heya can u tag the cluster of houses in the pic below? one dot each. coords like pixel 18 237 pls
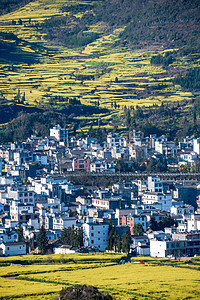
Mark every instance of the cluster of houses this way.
pixel 60 153
pixel 34 192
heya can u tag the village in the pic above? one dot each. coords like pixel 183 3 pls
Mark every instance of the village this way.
pixel 147 216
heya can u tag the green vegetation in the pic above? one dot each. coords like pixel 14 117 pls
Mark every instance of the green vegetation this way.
pixel 55 52
pixel 71 236
pixel 42 240
pixel 44 276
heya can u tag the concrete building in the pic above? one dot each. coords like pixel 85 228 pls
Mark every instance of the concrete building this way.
pixel 167 248
pixel 13 248
pixel 132 220
pixel 95 234
pixel 114 140
pixel 196 146
pixel 63 222
pixel 166 148
pixel 60 134
pixel 164 199
pixel 81 164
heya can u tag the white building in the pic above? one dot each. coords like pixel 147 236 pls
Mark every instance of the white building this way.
pixel 60 134
pixel 63 222
pixel 196 146
pixel 164 199
pixel 95 234
pixel 64 249
pixel 21 194
pixel 178 210
pixel 155 184
pixel 166 148
pixel 8 236
pixel 114 140
pixel 193 223
pixel 166 248
pixel 189 157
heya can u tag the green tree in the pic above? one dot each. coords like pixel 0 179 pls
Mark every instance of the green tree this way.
pixel 126 241
pixel 42 240
pixel 72 236
pixel 138 229
pixel 19 230
pixel 111 237
pixel 167 222
pixel 118 244
pixel 154 224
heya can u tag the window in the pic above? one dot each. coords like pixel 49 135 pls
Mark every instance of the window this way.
pixel 92 241
pixel 8 248
pixel 98 232
pixel 92 234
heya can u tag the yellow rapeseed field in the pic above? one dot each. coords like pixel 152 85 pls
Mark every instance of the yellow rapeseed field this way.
pixel 42 277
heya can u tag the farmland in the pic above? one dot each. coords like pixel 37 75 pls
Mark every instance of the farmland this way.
pixel 42 277
pixel 97 72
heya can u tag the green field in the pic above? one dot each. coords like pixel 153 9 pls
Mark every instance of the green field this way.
pixel 88 72
pixel 42 277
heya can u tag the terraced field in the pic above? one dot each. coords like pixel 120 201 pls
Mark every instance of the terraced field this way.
pixel 98 73
pixel 42 277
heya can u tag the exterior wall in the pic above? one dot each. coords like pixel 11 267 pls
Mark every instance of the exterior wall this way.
pixel 63 250
pixel 95 235
pixel 8 237
pixel 60 134
pixel 79 164
pixel 164 199
pixel 176 248
pixel 196 146
pixel 14 249
pixel 193 223
pixel 23 196
pixel 60 223
pixel 131 221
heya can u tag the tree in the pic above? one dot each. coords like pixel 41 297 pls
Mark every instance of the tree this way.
pixel 154 224
pixel 19 230
pixel 118 244
pixel 167 222
pixel 42 240
pixel 111 236
pixel 72 236
pixel 138 229
pixel 126 241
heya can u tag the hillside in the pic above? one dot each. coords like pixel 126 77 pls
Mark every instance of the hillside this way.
pixel 7 6
pixel 111 55
pixel 158 23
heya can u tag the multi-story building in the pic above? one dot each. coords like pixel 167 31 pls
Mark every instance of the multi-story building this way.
pixel 114 140
pixel 81 164
pixel 95 234
pixel 196 146
pixel 164 199
pixel 60 134
pixel 62 222
pixel 132 220
pixel 166 148
pixel 22 194
pixel 166 248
